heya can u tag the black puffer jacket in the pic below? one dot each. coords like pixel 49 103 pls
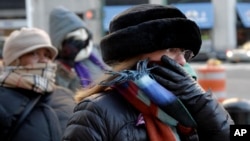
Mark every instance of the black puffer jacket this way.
pixel 109 117
pixel 104 117
pixel 46 122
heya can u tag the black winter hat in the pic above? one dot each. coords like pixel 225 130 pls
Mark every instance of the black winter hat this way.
pixel 146 28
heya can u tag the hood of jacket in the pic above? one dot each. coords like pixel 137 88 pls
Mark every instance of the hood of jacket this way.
pixel 61 22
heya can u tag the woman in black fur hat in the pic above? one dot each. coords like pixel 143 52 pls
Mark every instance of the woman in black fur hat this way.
pixel 148 95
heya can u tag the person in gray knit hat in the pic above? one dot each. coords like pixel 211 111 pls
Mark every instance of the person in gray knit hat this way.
pixel 32 107
pixel 148 96
pixel 79 60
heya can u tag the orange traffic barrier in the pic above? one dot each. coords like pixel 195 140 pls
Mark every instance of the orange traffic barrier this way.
pixel 213 77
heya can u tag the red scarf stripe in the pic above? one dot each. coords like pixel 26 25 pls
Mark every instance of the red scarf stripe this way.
pixel 157 130
pixel 130 93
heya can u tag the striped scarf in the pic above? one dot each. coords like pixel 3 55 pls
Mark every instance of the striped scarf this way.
pixel 39 77
pixel 160 109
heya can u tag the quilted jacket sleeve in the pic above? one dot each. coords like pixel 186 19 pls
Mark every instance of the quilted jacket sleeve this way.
pixel 213 120
pixel 104 117
pixel 86 124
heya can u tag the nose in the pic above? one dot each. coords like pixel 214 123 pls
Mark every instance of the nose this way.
pixel 43 59
pixel 180 59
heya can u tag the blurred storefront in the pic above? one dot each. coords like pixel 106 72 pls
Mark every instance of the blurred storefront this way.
pixel 12 16
pixel 243 21
pixel 113 7
pixel 15 14
pixel 202 12
pixel 223 24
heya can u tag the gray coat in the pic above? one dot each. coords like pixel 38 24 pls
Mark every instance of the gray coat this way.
pixel 67 78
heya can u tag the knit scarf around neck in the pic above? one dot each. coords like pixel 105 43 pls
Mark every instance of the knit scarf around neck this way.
pixel 39 77
pixel 157 121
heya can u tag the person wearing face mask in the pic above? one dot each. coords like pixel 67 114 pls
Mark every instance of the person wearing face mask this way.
pixel 32 107
pixel 79 60
pixel 148 96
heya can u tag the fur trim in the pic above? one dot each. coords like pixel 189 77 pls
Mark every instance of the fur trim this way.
pixel 143 13
pixel 151 36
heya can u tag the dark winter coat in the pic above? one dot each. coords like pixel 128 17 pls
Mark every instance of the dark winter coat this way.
pixel 109 117
pixel 106 117
pixel 46 122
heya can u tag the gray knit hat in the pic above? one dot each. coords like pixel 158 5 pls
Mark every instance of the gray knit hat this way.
pixel 24 41
pixel 147 28
pixel 61 22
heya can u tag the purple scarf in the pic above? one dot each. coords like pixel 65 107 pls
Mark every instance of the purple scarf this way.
pixel 84 73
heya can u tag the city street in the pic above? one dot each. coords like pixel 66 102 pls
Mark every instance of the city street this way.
pixel 237 79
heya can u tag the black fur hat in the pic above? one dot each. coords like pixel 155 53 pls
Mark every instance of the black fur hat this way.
pixel 146 28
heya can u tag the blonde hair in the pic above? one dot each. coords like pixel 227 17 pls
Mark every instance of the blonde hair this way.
pixel 85 92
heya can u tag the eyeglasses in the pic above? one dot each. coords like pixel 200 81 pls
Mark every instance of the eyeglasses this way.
pixel 188 54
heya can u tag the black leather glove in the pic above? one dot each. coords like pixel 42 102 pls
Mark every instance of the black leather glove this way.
pixel 174 78
pixel 212 119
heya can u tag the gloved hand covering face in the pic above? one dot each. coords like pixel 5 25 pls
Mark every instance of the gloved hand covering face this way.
pixel 174 78
pixel 201 105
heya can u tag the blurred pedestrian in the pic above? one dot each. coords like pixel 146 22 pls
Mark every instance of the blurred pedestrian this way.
pixel 32 107
pixel 79 60
pixel 148 95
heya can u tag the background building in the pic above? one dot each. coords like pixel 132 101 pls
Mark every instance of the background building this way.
pixel 224 24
